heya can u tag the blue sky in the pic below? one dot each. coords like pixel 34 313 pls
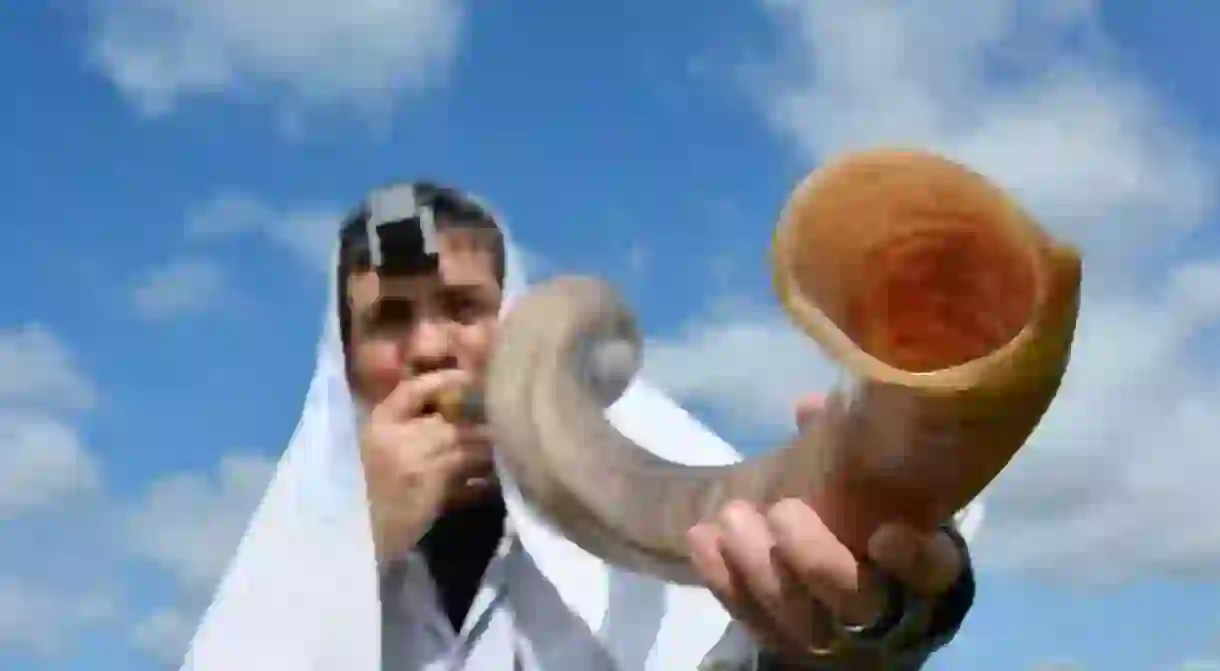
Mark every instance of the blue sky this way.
pixel 171 173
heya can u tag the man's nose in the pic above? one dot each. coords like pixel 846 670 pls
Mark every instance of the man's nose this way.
pixel 431 346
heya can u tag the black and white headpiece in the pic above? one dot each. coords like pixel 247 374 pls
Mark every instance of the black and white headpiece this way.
pixel 394 205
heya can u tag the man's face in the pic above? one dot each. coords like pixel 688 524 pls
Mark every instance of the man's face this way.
pixel 408 325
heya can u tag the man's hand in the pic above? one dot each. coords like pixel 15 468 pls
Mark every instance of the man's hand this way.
pixel 785 577
pixel 417 464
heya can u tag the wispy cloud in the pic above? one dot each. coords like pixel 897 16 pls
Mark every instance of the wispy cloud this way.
pixel 179 288
pixel 43 459
pixel 308 231
pixel 43 619
pixel 189 525
pixel 37 369
pixel 45 466
pixel 357 55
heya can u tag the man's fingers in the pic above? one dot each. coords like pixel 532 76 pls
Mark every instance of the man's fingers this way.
pixel 412 394
pixel 460 464
pixel 726 585
pixel 927 563
pixel 827 569
pixel 433 443
pixel 748 547
pixel 412 445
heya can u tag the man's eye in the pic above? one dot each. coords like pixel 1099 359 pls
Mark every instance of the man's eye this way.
pixel 391 315
pixel 465 310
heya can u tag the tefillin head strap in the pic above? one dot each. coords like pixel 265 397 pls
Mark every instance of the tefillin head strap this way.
pixel 401 230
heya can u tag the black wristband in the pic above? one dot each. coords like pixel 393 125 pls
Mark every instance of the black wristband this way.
pixel 942 619
pixel 954 604
pixel 891 614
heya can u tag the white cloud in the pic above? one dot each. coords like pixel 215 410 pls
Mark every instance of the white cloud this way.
pixel 1124 463
pixel 43 620
pixel 359 54
pixel 190 523
pixel 42 462
pixel 44 465
pixel 745 343
pixel 36 369
pixel 308 231
pixel 164 634
pixel 179 288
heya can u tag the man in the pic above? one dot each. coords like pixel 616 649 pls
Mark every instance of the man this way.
pixel 466 576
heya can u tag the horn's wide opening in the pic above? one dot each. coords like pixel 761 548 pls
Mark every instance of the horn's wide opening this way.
pixel 920 268
pixel 940 298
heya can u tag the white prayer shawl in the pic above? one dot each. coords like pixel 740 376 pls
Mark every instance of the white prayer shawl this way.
pixel 302 592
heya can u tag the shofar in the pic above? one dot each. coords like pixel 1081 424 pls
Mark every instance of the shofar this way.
pixel 950 308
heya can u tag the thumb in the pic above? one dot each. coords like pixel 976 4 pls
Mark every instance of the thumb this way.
pixel 927 563
pixel 808 407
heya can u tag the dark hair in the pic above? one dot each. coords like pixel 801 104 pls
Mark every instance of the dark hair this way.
pixel 450 208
